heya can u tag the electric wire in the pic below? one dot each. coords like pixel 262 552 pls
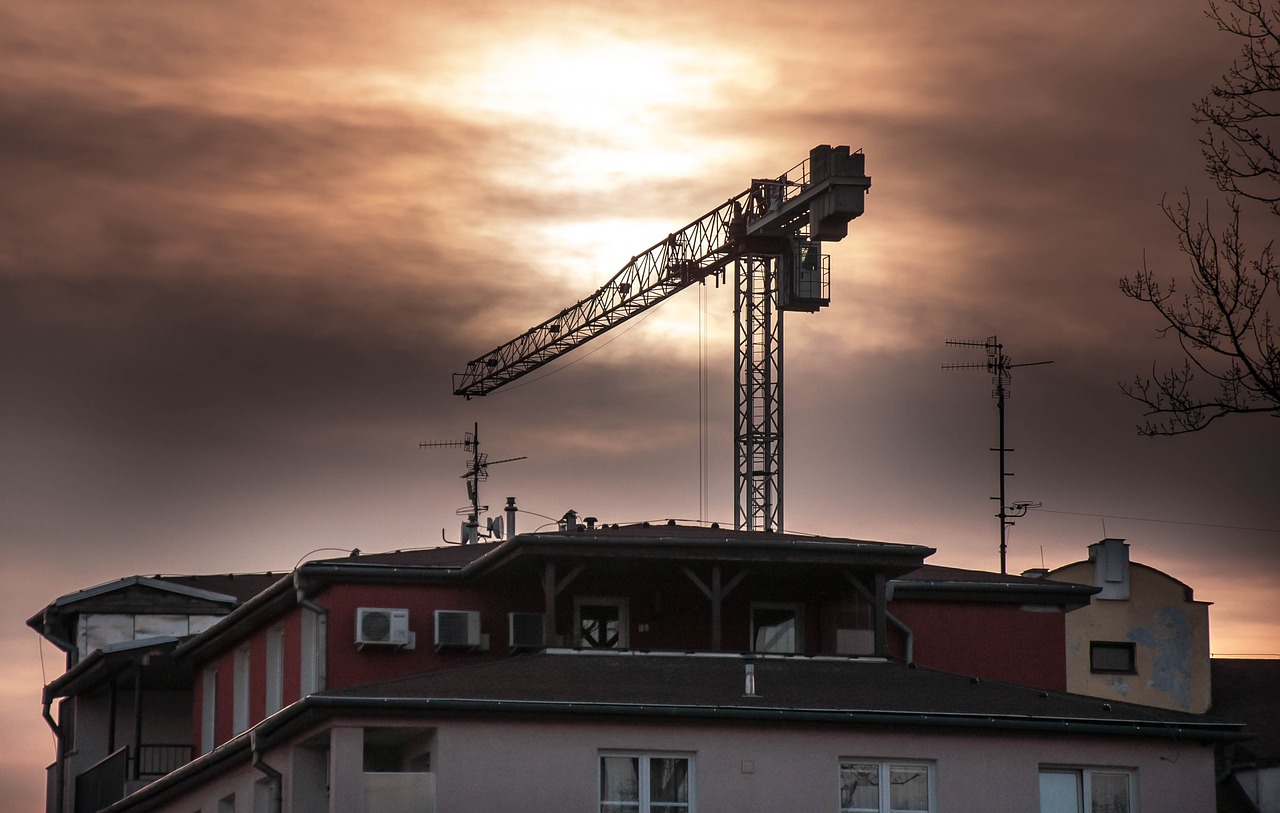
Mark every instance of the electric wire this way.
pixel 1164 521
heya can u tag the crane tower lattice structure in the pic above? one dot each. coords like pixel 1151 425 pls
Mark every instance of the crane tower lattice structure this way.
pixel 772 235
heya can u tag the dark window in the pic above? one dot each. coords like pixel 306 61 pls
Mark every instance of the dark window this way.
pixel 1111 656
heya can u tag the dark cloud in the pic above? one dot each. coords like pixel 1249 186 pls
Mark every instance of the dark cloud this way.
pixel 242 249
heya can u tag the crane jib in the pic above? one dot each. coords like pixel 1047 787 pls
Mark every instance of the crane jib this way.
pixel 813 201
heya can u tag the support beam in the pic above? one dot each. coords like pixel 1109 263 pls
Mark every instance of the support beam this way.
pixel 716 594
pixel 550 590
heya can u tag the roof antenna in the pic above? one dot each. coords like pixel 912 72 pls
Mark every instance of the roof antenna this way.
pixel 476 473
pixel 999 365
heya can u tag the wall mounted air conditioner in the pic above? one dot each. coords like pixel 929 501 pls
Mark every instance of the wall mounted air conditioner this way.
pixel 526 631
pixel 457 629
pixel 382 626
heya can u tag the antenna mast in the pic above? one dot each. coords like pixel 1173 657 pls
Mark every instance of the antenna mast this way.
pixel 999 365
pixel 477 472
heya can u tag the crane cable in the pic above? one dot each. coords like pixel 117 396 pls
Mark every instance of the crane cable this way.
pixel 702 403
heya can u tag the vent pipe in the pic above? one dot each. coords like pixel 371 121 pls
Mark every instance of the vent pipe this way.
pixel 511 517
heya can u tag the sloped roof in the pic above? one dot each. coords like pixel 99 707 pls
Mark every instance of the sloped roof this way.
pixel 833 688
pixel 939 582
pixel 1245 689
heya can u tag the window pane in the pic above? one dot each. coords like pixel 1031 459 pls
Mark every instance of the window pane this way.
pixel 775 629
pixel 619 782
pixel 668 780
pixel 1059 792
pixel 1109 792
pixel 600 625
pixel 859 787
pixel 1111 657
pixel 908 788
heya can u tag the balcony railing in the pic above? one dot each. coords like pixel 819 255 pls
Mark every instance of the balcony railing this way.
pixel 161 758
pixel 104 784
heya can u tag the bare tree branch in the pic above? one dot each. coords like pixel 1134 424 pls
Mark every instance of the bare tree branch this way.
pixel 1223 321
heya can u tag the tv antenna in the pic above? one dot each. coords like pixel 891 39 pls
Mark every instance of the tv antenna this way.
pixel 999 365
pixel 476 473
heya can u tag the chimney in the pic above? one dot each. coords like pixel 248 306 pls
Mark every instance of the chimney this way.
pixel 1110 559
pixel 569 522
pixel 511 517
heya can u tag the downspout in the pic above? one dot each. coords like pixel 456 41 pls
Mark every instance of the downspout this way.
pixel 273 776
pixel 322 631
pixel 60 757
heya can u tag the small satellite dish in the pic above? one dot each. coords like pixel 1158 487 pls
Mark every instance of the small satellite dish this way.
pixel 495 527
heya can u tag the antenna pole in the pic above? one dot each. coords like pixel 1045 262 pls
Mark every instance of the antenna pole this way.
pixel 477 471
pixel 999 365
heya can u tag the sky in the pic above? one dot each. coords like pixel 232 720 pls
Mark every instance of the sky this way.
pixel 243 247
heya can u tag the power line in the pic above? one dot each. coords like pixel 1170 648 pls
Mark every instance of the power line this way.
pixel 1165 521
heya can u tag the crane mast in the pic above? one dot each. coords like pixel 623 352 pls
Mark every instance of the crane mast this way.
pixel 771 233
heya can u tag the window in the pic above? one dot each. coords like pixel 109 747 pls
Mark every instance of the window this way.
pixel 1086 790
pixel 309 649
pixel 275 670
pixel 208 710
pixel 642 783
pixel 1112 656
pixel 600 623
pixel 240 692
pixel 775 627
pixel 884 787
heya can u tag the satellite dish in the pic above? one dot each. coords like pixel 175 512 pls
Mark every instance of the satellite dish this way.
pixel 495 527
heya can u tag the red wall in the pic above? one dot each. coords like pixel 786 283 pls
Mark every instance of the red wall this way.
pixel 987 640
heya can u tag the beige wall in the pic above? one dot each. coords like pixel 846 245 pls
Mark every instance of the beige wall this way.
pixel 1170 636
pixel 747 768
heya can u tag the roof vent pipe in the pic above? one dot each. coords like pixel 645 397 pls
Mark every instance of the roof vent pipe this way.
pixel 591 523
pixel 569 522
pixel 511 517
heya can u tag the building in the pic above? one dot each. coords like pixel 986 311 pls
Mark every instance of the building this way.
pixel 642 668
pixel 1245 689
pixel 1144 638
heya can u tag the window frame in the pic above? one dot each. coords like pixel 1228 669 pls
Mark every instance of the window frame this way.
pixel 797 610
pixel 241 680
pixel 884 803
pixel 621 603
pixel 274 671
pixel 1128 647
pixel 209 710
pixel 1083 775
pixel 645 803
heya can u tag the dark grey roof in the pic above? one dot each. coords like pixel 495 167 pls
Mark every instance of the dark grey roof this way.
pixel 829 688
pixel 1245 689
pixel 936 582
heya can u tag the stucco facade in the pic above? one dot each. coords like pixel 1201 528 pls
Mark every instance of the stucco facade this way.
pixel 1147 611
pixel 554 764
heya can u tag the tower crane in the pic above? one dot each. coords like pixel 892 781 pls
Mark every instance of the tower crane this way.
pixel 772 236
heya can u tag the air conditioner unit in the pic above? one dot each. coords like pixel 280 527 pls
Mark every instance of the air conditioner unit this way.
pixel 526 630
pixel 382 626
pixel 457 628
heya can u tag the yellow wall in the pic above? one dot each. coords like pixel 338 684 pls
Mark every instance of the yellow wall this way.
pixel 1170 634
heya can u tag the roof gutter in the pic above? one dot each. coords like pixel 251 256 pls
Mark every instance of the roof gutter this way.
pixel 1141 728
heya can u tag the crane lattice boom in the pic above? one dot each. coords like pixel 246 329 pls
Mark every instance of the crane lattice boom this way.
pixel 771 233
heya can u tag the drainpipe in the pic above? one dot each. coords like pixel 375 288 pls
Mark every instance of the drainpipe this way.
pixel 906 632
pixel 322 631
pixel 60 758
pixel 273 776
